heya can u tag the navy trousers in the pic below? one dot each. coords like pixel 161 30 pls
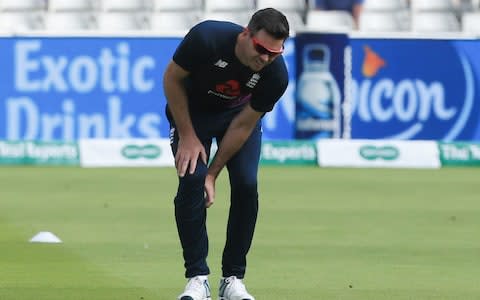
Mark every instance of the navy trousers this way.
pixel 190 211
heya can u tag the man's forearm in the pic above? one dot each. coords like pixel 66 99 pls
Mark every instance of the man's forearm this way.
pixel 232 141
pixel 237 133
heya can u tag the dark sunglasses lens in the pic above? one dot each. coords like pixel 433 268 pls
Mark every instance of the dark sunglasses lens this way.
pixel 260 49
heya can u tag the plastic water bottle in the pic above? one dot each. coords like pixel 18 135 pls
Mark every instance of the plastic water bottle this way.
pixel 318 111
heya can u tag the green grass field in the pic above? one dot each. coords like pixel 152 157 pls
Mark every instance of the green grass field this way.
pixel 322 234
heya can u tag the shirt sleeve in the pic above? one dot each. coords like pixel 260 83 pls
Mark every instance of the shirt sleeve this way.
pixel 194 48
pixel 271 87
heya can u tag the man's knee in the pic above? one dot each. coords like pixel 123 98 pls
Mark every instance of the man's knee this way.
pixel 191 187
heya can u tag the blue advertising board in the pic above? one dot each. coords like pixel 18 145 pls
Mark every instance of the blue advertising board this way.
pixel 279 124
pixel 418 89
pixel 320 84
pixel 67 88
pixel 400 88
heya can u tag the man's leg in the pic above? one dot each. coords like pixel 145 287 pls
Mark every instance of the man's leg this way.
pixel 191 215
pixel 242 170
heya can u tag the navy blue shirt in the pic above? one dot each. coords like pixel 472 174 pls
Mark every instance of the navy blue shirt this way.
pixel 218 81
pixel 337 4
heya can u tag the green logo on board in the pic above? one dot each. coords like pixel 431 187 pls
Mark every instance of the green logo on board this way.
pixel 149 151
pixel 371 152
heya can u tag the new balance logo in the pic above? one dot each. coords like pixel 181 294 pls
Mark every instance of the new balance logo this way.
pixel 221 64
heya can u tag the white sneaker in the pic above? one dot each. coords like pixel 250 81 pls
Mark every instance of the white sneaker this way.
pixel 232 288
pixel 197 289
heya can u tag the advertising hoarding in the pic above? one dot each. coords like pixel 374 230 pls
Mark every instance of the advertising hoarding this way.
pixel 71 88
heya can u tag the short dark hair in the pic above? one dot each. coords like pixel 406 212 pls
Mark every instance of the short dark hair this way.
pixel 272 21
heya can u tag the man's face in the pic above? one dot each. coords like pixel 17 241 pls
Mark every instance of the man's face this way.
pixel 261 49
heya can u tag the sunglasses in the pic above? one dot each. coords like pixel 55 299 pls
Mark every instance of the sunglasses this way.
pixel 261 49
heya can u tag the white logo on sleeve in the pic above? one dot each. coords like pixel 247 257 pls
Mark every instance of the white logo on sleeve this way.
pixel 221 64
